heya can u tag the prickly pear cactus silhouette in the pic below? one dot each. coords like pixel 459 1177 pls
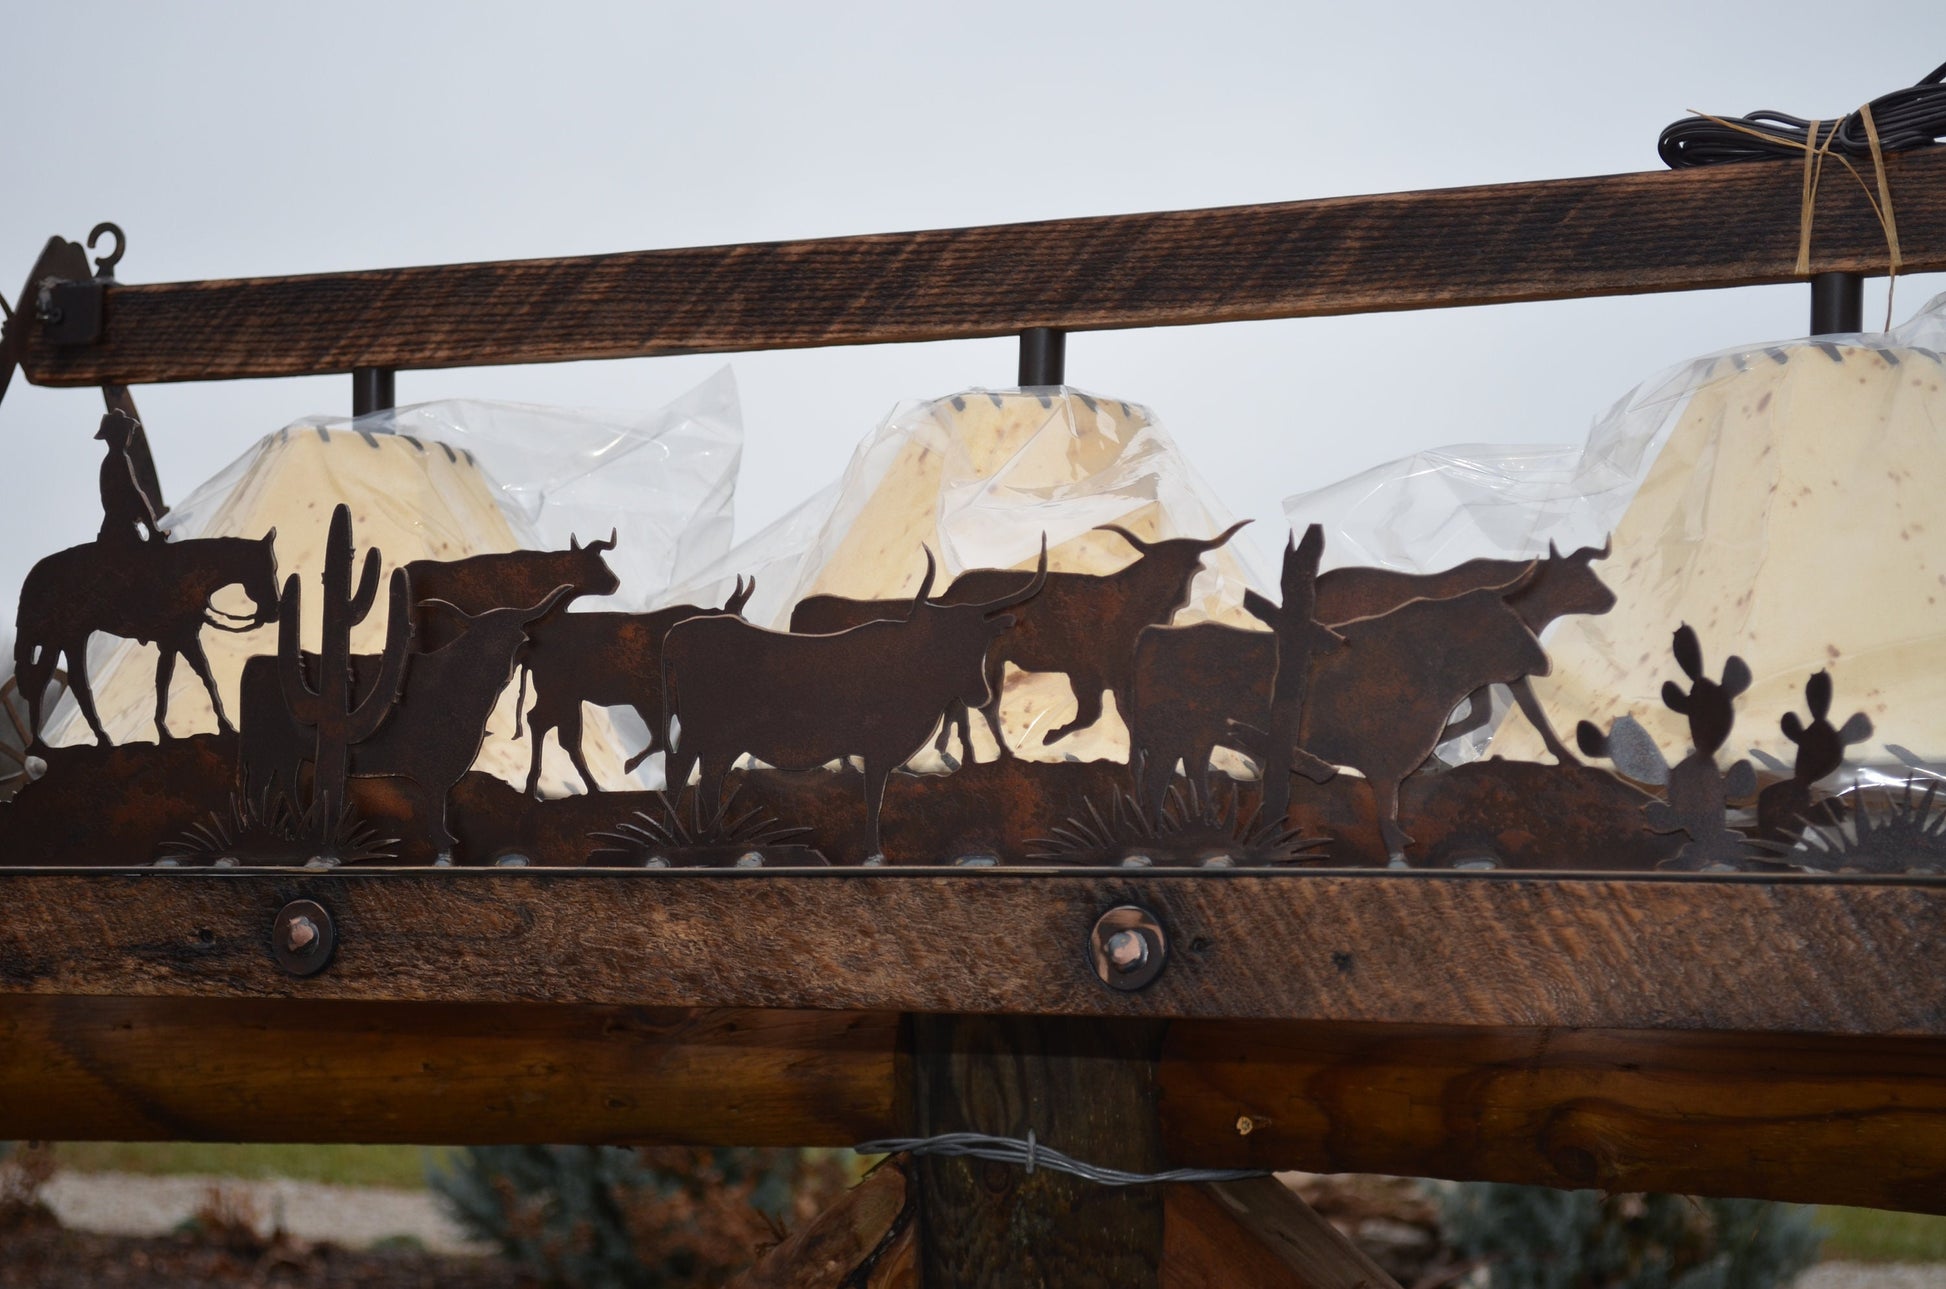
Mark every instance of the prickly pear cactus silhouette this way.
pixel 1698 793
pixel 331 707
pixel 1784 808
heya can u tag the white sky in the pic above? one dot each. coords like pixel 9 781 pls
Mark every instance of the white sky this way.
pixel 242 139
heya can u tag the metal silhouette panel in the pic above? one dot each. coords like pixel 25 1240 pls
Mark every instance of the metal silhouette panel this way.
pixel 790 748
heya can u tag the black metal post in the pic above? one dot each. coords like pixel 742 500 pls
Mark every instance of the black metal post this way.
pixel 1043 356
pixel 372 390
pixel 1837 303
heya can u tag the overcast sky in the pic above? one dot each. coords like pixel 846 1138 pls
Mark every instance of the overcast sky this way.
pixel 241 139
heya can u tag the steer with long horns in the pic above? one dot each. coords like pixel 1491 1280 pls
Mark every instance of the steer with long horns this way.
pixel 875 691
pixel 1083 625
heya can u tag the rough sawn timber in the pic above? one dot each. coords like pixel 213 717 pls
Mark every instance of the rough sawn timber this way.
pixel 200 1069
pixel 1728 953
pixel 1840 1120
pixel 1666 1111
pixel 1724 226
pixel 1087 1086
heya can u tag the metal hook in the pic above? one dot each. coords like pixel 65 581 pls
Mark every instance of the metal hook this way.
pixel 105 264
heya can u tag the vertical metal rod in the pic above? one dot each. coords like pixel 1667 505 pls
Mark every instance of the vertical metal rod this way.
pixel 1043 356
pixel 1837 303
pixel 371 390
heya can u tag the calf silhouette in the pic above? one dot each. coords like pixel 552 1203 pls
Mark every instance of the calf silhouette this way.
pixel 1562 585
pixel 875 691
pixel 609 660
pixel 1081 624
pixel 433 733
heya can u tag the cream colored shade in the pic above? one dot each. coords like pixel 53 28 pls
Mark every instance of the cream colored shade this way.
pixel 1794 517
pixel 410 498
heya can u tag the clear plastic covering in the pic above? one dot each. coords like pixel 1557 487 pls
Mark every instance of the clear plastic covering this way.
pixel 979 478
pixel 443 481
pixel 1782 499
pixel 662 479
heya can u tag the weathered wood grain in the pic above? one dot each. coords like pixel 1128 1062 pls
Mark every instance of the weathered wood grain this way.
pixel 1659 231
pixel 866 1240
pixel 138 1069
pixel 1804 955
pixel 1086 1087
pixel 1257 1233
pixel 1847 1120
pixel 1795 1117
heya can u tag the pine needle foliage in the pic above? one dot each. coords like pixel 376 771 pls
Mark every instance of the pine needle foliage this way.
pixel 1533 1237
pixel 601 1217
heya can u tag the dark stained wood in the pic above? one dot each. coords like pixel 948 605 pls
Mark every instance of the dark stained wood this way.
pixel 1660 231
pixel 1805 955
pixel 138 1069
pixel 1790 1117
pixel 1795 1117
pixel 866 1240
pixel 1085 1087
pixel 1257 1233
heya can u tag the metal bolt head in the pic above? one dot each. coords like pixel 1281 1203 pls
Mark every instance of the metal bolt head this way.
pixel 302 937
pixel 1127 951
pixel 1127 948
pixel 300 933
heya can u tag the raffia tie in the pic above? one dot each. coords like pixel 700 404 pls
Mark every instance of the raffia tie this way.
pixel 1814 157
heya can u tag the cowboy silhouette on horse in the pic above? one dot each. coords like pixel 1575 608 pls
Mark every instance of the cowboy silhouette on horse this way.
pixel 125 504
pixel 133 582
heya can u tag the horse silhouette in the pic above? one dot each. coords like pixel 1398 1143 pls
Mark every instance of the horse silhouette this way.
pixel 153 592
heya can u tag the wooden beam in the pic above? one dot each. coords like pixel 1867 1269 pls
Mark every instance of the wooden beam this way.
pixel 1733 225
pixel 1794 1117
pixel 1086 1088
pixel 1792 954
pixel 1257 1233
pixel 1791 1117
pixel 866 1240
pixel 142 1069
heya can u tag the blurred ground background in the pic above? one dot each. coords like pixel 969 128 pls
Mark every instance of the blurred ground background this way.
pixel 373 1200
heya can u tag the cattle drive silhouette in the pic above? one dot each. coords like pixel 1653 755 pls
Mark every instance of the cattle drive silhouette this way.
pixel 1349 674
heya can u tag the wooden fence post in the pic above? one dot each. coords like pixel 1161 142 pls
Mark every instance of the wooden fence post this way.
pixel 1086 1087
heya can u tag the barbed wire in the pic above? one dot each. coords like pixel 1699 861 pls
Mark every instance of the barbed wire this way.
pixel 1031 1155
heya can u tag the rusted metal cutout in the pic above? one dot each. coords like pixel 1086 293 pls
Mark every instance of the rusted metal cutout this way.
pixel 1127 948
pixel 303 938
pixel 876 691
pixel 795 740
pixel 1062 630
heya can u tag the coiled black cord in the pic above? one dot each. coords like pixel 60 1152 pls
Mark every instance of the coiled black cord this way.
pixel 1906 118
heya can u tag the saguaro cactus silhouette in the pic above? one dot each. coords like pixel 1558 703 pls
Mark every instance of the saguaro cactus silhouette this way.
pixel 332 706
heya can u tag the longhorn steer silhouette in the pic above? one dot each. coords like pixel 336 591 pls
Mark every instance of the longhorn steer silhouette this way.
pixel 1081 624
pixel 505 580
pixel 1378 703
pixel 875 691
pixel 610 660
pixel 1562 585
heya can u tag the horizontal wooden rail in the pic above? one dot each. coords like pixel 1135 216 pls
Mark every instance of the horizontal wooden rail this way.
pixel 1855 1121
pixel 1733 225
pixel 1809 955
